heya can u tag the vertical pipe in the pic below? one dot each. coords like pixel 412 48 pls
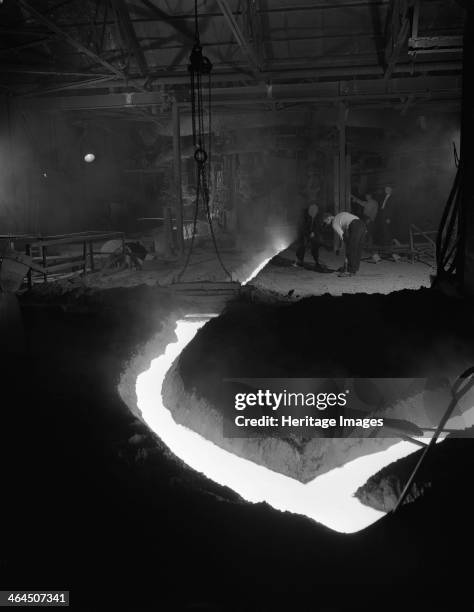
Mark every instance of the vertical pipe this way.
pixel 91 255
pixel 465 267
pixel 336 197
pixel 30 274
pixel 45 263
pixel 12 164
pixel 342 157
pixel 168 231
pixel 347 194
pixel 177 176
pixel 84 256
pixel 416 19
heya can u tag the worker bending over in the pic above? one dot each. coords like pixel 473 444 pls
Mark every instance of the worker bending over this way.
pixel 352 231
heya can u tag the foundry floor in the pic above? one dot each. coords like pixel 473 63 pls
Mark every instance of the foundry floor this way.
pixel 280 277
pixel 203 266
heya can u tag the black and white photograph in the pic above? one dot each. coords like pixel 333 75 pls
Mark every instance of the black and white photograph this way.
pixel 236 305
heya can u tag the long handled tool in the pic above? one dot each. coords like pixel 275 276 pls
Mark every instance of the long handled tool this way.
pixel 458 391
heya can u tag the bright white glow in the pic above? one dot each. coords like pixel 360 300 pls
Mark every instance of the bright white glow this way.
pixel 279 244
pixel 256 271
pixel 89 158
pixel 328 499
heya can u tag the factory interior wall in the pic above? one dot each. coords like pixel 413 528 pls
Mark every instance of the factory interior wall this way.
pixel 48 188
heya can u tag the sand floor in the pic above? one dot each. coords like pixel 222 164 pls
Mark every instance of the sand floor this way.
pixel 387 276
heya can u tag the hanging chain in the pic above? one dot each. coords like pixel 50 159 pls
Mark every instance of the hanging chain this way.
pixel 200 66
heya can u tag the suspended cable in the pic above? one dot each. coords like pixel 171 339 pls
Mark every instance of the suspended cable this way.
pixel 199 67
pixel 451 231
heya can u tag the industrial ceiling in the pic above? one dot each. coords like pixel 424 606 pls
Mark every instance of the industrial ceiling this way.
pixel 113 54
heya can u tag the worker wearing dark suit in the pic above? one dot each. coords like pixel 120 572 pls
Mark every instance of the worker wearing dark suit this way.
pixel 369 209
pixel 309 235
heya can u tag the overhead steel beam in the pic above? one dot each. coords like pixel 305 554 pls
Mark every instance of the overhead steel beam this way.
pixel 63 87
pixel 254 27
pixel 69 39
pixel 27 45
pixel 397 30
pixel 305 72
pixel 165 17
pixel 182 30
pixel 244 44
pixel 45 72
pixel 337 72
pixel 366 89
pixel 129 33
pixel 101 101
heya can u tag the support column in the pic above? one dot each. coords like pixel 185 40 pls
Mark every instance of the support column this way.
pixel 177 176
pixel 336 197
pixel 341 169
pixel 347 180
pixel 342 157
pixel 466 263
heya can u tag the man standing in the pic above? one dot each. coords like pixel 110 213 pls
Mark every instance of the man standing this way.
pixel 370 209
pixel 309 234
pixel 385 221
pixel 385 218
pixel 352 231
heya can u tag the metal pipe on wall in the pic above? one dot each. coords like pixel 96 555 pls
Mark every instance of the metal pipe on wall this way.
pixel 177 175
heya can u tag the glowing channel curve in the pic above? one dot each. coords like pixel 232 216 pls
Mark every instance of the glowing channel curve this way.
pixel 328 499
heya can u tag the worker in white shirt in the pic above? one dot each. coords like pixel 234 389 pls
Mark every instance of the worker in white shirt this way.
pixel 352 231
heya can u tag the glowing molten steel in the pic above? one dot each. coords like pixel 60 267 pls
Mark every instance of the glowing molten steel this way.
pixel 256 271
pixel 328 499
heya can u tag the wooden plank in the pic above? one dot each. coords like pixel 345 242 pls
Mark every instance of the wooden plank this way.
pixel 66 266
pixel 436 42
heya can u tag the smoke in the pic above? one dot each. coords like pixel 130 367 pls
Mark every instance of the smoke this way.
pixel 262 163
pixel 417 159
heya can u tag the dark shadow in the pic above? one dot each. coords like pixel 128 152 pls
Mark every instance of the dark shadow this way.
pixel 378 25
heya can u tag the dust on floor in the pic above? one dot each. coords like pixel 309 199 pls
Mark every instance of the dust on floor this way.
pixel 279 276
